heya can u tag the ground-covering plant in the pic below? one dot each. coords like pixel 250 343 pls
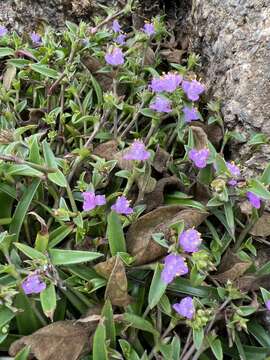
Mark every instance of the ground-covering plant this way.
pixel 126 231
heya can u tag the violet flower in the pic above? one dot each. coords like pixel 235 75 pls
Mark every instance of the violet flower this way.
pixel 116 26
pixel 254 200
pixel 185 307
pixel 190 114
pixel 199 157
pixel 174 265
pixel 3 30
pixel 171 81
pixel 192 89
pixel 149 29
pixel 234 171
pixel 157 85
pixel 137 151
pixel 268 304
pixel 121 39
pixel 115 57
pixel 33 284
pixel 121 206
pixel 161 104
pixel 190 240
pixel 36 38
pixel 91 200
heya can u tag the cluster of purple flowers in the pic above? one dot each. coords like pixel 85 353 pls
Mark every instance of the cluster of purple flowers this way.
pixel 192 89
pixel 185 307
pixel 190 240
pixel 174 265
pixel 149 29
pixel 190 114
pixel 115 57
pixel 268 304
pixel 166 83
pixel 161 104
pixel 3 30
pixel 33 284
pixel 199 157
pixel 137 152
pixel 36 38
pixel 121 38
pixel 91 200
pixel 254 200
pixel 234 171
pixel 121 206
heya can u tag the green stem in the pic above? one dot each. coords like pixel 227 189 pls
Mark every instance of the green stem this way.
pixel 71 199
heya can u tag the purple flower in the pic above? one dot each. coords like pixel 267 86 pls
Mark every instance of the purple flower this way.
pixel 254 200
pixel 268 304
pixel 192 89
pixel 185 307
pixel 174 266
pixel 149 29
pixel 168 82
pixel 116 26
pixel 232 182
pixel 190 240
pixel 137 151
pixel 199 157
pixel 171 81
pixel 36 39
pixel 161 104
pixel 115 57
pixel 190 114
pixel 121 39
pixel 3 30
pixel 234 171
pixel 90 200
pixel 33 284
pixel 122 206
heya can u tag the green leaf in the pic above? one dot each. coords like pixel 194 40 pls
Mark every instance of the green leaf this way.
pixel 139 323
pixel 260 334
pixel 59 234
pixel 128 352
pixel 30 252
pixel 115 234
pixel 23 354
pixel 229 215
pixel 176 347
pixel 99 344
pixel 157 288
pixel 97 89
pixel 22 208
pixel 23 170
pixel 265 294
pixel 216 347
pixel 5 51
pixel 181 285
pixel 27 321
pixel 265 178
pixel 148 113
pixel 45 70
pixel 258 189
pixel 65 257
pixel 240 348
pixel 6 316
pixel 57 177
pixel 107 313
pixel 48 301
pixel 19 63
pixel 198 336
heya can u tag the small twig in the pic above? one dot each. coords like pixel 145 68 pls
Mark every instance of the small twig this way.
pixel 18 160
pixel 133 121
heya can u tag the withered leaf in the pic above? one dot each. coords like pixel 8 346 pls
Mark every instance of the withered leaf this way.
pixel 236 271
pixel 200 137
pixel 9 76
pixel 139 236
pixel 155 198
pixel 149 57
pixel 61 340
pixel 117 285
pixel 161 160
pixel 172 55
pixel 105 268
pixel 35 115
pixel 106 150
pixel 213 132
pixel 93 65
pixel 253 283
pixel 262 226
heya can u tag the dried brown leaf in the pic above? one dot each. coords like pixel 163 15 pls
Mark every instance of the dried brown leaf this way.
pixel 161 160
pixel 200 137
pixel 139 236
pixel 9 76
pixel 155 198
pixel 262 226
pixel 117 285
pixel 213 132
pixel 61 340
pixel 105 268
pixel 172 55
pixel 93 65
pixel 35 115
pixel 149 57
pixel 253 283
pixel 106 150
pixel 236 271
